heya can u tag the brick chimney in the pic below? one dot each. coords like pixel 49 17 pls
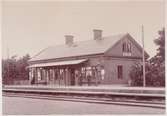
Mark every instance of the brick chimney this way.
pixel 69 39
pixel 97 34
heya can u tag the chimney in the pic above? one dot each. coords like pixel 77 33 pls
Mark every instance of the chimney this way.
pixel 97 34
pixel 69 39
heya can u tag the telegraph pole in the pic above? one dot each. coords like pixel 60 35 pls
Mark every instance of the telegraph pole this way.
pixel 144 73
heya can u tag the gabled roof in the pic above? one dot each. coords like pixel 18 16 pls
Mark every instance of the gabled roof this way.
pixel 81 48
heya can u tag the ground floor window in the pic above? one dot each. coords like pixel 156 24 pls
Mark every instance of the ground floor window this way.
pixel 102 74
pixel 39 74
pixel 120 71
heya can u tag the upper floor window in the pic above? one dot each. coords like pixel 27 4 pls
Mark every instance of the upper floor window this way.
pixel 126 49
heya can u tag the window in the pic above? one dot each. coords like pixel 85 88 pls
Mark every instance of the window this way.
pixel 102 74
pixel 120 71
pixel 126 49
pixel 61 74
pixel 89 73
pixel 39 74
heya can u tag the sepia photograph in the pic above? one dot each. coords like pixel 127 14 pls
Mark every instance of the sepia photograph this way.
pixel 79 57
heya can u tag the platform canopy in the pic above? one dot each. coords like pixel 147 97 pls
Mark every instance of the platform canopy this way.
pixel 62 63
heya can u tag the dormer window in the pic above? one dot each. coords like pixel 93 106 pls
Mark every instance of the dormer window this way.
pixel 126 49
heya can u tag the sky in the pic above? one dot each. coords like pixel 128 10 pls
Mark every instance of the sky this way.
pixel 28 27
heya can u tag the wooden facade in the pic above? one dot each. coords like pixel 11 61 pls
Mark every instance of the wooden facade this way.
pixel 99 61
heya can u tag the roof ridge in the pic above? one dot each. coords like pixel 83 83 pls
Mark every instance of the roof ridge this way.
pixel 104 37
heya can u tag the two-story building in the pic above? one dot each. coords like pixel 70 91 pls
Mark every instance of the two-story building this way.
pixel 101 60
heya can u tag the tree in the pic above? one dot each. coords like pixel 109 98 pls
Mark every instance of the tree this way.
pixel 160 41
pixel 158 61
pixel 22 67
pixel 13 69
pixel 155 67
pixel 9 70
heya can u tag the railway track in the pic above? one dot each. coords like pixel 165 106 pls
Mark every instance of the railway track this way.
pixel 123 100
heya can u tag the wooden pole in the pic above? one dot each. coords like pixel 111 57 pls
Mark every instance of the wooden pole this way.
pixel 95 73
pixel 64 76
pixel 144 75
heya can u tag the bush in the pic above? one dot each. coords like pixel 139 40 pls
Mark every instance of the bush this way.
pixel 155 75
pixel 136 75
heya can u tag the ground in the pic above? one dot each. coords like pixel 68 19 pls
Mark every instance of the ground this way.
pixel 27 106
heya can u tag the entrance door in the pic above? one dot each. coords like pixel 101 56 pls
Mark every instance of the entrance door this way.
pixel 72 77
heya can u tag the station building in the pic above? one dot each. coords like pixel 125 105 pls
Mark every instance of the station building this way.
pixel 98 61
